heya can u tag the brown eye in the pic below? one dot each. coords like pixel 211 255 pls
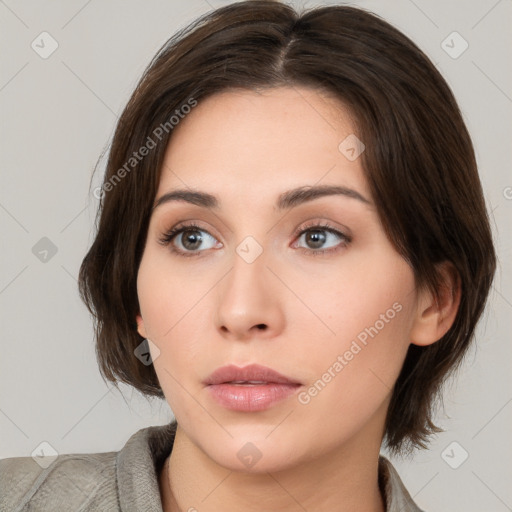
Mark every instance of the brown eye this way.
pixel 315 238
pixel 189 240
pixel 321 239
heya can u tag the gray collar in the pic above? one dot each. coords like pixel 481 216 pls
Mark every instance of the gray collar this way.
pixel 138 466
pixel 395 494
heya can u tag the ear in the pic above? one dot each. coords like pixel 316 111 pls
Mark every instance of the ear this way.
pixel 436 313
pixel 140 326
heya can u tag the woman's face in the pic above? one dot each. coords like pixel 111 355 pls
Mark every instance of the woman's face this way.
pixel 305 284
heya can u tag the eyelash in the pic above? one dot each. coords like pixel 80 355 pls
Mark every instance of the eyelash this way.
pixel 169 236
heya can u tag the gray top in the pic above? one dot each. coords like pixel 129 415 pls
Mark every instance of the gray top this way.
pixel 126 480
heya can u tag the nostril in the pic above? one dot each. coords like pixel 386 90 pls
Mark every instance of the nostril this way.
pixel 261 326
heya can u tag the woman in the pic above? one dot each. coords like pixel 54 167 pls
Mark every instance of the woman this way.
pixel 293 249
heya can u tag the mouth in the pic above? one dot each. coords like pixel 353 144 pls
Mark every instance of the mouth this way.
pixel 249 389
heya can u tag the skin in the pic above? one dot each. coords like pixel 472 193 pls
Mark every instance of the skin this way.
pixel 203 311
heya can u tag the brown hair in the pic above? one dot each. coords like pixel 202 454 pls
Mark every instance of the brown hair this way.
pixel 419 162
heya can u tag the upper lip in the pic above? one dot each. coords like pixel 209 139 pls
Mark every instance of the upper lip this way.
pixel 252 372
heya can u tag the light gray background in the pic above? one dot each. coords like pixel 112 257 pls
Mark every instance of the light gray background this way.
pixel 57 114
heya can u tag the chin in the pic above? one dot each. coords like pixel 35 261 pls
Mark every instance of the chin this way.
pixel 254 455
pixel 247 447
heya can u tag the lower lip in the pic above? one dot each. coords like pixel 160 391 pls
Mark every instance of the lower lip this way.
pixel 251 398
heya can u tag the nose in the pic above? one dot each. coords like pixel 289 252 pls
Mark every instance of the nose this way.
pixel 249 301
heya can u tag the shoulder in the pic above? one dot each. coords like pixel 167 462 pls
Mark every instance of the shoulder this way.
pixel 110 481
pixel 70 481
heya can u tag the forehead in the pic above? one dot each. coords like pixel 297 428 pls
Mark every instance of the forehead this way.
pixel 268 141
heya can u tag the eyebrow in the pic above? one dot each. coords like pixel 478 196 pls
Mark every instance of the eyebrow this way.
pixel 285 201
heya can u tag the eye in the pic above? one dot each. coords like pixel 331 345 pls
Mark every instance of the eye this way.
pixel 192 240
pixel 321 238
pixel 188 240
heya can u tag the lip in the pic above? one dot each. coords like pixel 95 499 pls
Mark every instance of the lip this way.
pixel 254 372
pixel 250 388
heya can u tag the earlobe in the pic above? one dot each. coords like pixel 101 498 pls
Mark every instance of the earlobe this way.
pixel 436 312
pixel 140 326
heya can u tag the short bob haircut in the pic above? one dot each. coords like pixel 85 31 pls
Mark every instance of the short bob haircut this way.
pixel 419 162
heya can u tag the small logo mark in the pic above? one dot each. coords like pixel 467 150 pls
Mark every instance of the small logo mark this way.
pixel 44 45
pixel 44 454
pixel 147 352
pixel 454 455
pixel 249 455
pixel 44 249
pixel 351 147
pixel 249 249
pixel 454 45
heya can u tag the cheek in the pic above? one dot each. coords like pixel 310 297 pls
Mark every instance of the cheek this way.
pixel 167 297
pixel 367 311
pixel 172 306
pixel 352 295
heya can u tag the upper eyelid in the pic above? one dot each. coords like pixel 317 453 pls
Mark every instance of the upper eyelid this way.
pixel 306 225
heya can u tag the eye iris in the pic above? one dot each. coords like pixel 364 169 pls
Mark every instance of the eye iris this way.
pixel 316 237
pixel 191 239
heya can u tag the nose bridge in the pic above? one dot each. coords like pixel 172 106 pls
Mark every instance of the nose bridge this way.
pixel 247 298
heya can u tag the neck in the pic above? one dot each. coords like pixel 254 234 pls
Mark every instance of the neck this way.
pixel 344 480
